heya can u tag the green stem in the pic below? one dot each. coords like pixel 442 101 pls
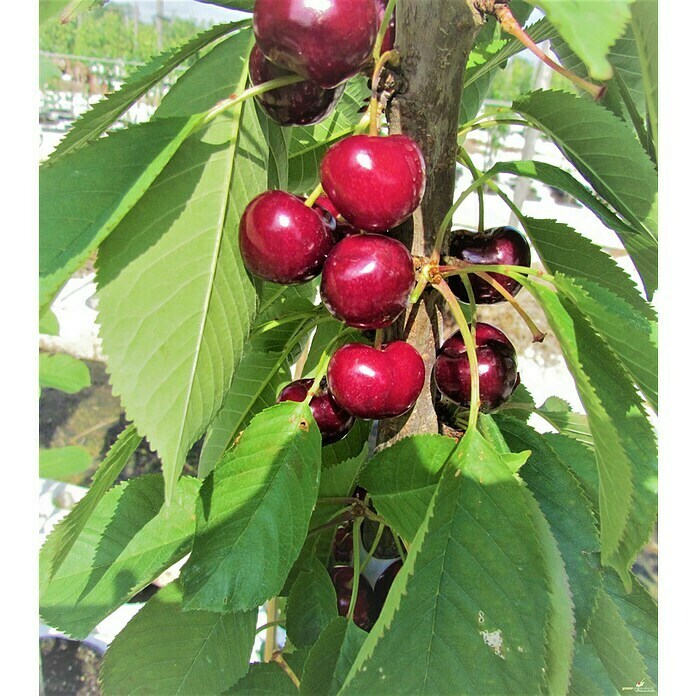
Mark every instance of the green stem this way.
pixel 464 154
pixel 236 99
pixel 470 294
pixel 269 624
pixel 494 123
pixel 312 198
pixel 374 98
pixel 470 344
pixel 324 364
pixel 278 657
pixel 456 267
pixel 383 28
pixel 356 568
pixel 343 515
pixel 399 546
pixel 373 548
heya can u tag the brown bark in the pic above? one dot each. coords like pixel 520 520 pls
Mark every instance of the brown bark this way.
pixel 434 38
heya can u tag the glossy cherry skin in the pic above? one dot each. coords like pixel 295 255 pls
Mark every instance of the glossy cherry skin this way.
pixel 333 421
pixel 325 41
pixel 383 585
pixel 375 182
pixel 376 383
pixel 342 549
pixel 388 43
pixel 497 246
pixel 342 579
pixel 300 104
pixel 367 279
pixel 497 367
pixel 282 240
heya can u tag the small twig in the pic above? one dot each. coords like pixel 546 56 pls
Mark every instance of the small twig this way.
pixel 280 660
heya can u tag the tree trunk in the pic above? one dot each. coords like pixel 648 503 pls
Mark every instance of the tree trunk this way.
pixel 434 39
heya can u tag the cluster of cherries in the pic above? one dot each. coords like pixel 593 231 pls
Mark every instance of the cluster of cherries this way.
pixel 371 185
pixel 370 599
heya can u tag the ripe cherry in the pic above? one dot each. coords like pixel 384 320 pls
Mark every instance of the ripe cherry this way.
pixel 374 182
pixel 343 228
pixel 367 280
pixel 282 240
pixel 333 421
pixel 376 383
pixel 342 579
pixel 342 549
pixel 497 246
pixel 326 41
pixel 497 367
pixel 383 585
pixel 300 104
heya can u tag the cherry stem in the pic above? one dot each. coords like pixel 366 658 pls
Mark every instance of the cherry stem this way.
pixel 236 99
pixel 379 338
pixel 374 99
pixel 312 198
pixel 494 123
pixel 509 24
pixel 356 568
pixel 470 344
pixel 470 294
pixel 383 29
pixel 344 515
pixel 464 154
pixel 537 335
pixel 323 365
pixel 269 624
pixel 373 548
pixel 457 267
pixel 278 657
pixel 399 546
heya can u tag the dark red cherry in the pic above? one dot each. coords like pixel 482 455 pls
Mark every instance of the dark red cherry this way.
pixel 300 104
pixel 343 545
pixel 343 229
pixel 383 585
pixel 497 367
pixel 374 182
pixel 497 246
pixel 388 43
pixel 376 382
pixel 367 280
pixel 333 421
pixel 326 41
pixel 342 578
pixel 282 240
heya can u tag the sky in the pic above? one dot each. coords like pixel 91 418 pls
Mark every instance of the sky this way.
pixel 185 9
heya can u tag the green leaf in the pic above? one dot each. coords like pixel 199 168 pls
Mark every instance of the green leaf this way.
pixel 350 447
pixel 68 530
pixel 104 113
pixel 331 658
pixel 615 646
pixel 402 478
pixel 639 612
pixel 566 507
pixel 589 28
pixel 264 679
pixel 603 149
pixel 169 651
pixel 255 386
pixel 130 538
pixel 309 143
pixel 174 263
pixel 561 416
pixel 242 5
pixel 632 337
pixel 471 603
pixel 589 677
pixel 61 463
pixel 82 200
pixel 253 513
pixel 311 604
pixel 644 22
pixel 624 441
pixel 62 371
pixel 50 8
pixel 48 323
pixel 557 241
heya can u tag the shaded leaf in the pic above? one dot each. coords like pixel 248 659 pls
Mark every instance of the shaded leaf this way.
pixel 264 679
pixel 644 22
pixel 62 371
pixel 253 513
pixel 130 538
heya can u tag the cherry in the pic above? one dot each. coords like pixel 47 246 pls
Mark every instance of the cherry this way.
pixel 497 246
pixel 497 367
pixel 326 41
pixel 376 383
pixel 333 421
pixel 367 279
pixel 342 579
pixel 388 43
pixel 343 545
pixel 282 240
pixel 374 182
pixel 343 229
pixel 300 104
pixel 383 585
